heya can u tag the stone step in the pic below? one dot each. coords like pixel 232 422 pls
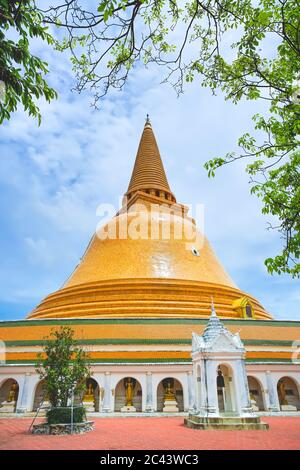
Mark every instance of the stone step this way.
pixel 225 419
pixel 225 424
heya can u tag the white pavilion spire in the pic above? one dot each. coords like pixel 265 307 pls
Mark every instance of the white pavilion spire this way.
pixel 213 311
pixel 214 326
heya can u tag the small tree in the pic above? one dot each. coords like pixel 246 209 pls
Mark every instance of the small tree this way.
pixel 64 366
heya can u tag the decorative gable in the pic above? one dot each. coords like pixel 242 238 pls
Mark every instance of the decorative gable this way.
pixel 226 341
pixel 216 337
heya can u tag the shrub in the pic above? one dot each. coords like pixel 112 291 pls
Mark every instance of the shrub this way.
pixel 62 415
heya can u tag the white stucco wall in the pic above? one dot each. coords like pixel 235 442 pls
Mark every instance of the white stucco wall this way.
pixel 149 377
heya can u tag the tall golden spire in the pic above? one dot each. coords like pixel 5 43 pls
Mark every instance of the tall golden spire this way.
pixel 127 274
pixel 148 173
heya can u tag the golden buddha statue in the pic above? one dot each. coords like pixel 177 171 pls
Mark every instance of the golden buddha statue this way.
pixel 282 394
pixel 89 393
pixel 169 394
pixel 12 395
pixel 129 392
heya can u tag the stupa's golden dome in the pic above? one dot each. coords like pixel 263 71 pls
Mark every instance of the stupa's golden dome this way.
pixel 149 260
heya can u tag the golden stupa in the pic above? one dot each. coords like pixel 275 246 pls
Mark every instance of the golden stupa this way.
pixel 149 276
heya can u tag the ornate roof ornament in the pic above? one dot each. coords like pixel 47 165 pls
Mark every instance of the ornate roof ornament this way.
pixel 216 337
pixel 214 326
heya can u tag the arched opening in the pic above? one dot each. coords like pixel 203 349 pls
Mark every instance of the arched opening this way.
pixel 40 396
pixel 9 392
pixel 92 396
pixel 128 395
pixel 170 395
pixel 256 394
pixel 288 394
pixel 243 307
pixel 225 389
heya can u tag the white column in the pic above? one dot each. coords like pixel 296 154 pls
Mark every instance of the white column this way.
pixel 185 389
pixel 209 397
pixel 149 393
pixel 203 388
pixel 191 391
pixel 99 379
pixel 26 391
pixel 23 393
pixel 107 394
pixel 242 394
pixel 272 395
pixel 198 367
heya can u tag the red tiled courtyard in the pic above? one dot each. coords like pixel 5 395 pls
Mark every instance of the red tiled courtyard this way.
pixel 152 434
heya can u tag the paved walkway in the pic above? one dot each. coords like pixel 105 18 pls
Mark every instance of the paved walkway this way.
pixel 154 434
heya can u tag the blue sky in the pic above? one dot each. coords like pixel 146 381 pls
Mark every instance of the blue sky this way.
pixel 53 177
